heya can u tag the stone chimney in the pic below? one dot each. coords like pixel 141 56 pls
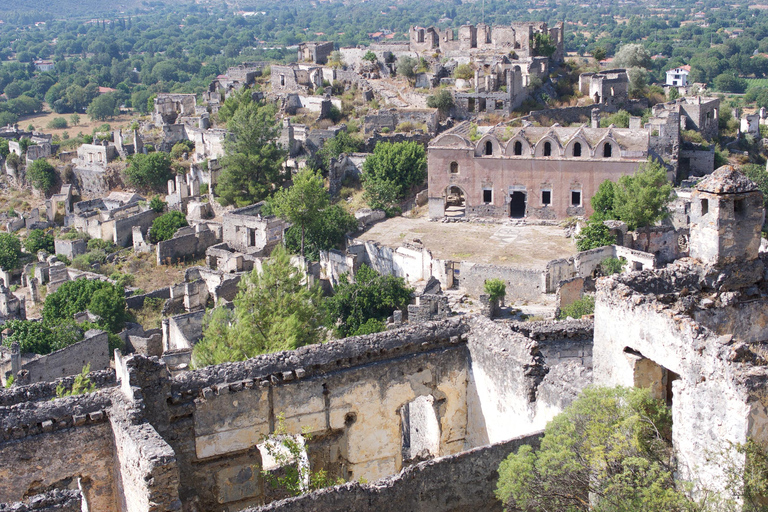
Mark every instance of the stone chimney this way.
pixel 595 118
pixel 15 358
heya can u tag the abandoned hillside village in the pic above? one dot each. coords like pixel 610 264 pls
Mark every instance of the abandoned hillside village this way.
pixel 419 416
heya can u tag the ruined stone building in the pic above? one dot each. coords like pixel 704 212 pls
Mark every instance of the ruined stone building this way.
pixel 246 236
pixel 237 77
pixel 538 172
pixel 701 114
pixel 304 78
pixel 517 38
pixel 695 332
pixel 315 52
pixel 112 218
pixel 609 88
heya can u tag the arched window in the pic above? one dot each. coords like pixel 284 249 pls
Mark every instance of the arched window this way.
pixel 607 150
pixel 454 168
pixel 547 148
pixel 518 148
pixel 488 147
pixel 577 149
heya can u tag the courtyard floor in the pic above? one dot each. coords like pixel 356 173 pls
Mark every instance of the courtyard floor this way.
pixel 498 244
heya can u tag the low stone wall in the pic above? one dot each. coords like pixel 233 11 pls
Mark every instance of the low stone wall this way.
pixel 42 391
pixel 57 500
pixel 93 350
pixel 464 482
pixel 522 284
pixel 137 301
pixel 189 245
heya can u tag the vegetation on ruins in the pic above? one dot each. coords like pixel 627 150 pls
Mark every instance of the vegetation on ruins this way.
pixel 293 474
pixel 363 305
pixel 392 171
pixel 101 298
pixel 442 100
pixel 181 147
pixel 638 200
pixel 594 234
pixel 10 250
pixel 4 148
pixel 41 175
pixel 641 199
pixel 326 231
pixel 149 171
pixel 316 224
pixel 287 317
pixel 543 45
pixel 166 225
pixel 40 338
pixel 611 449
pixel 303 202
pixel 406 67
pixel 157 205
pixel 610 266
pixel 578 308
pixel 495 288
pixel 343 142
pixel 253 165
pixel 39 240
pixel 80 386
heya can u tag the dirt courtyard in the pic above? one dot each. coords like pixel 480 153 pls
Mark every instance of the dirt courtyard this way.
pixel 497 244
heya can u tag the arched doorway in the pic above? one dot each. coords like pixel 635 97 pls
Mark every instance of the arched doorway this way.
pixel 517 200
pixel 455 202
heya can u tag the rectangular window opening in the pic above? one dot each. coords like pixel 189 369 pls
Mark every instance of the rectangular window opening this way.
pixel 487 196
pixel 704 206
pixel 575 197
pixel 546 197
pixel 739 209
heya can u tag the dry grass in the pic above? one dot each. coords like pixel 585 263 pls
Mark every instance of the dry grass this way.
pixel 150 316
pixel 147 275
pixel 20 200
pixel 40 122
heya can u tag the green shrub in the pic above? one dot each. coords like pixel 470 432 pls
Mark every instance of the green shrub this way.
pixel 595 234
pixel 57 123
pixel 10 250
pixel 166 225
pixel 39 240
pixel 495 288
pixel 181 147
pixel 579 308
pixel 99 297
pixel 80 386
pixel 97 244
pixel 157 204
pixel 610 266
pixel 87 260
pixel 41 175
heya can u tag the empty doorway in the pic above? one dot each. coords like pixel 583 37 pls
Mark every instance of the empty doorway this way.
pixel 517 201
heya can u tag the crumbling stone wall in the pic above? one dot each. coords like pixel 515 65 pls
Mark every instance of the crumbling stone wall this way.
pixel 523 374
pixel 55 443
pixel 69 500
pixel 459 483
pixel 522 284
pixel 93 350
pixel 188 245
